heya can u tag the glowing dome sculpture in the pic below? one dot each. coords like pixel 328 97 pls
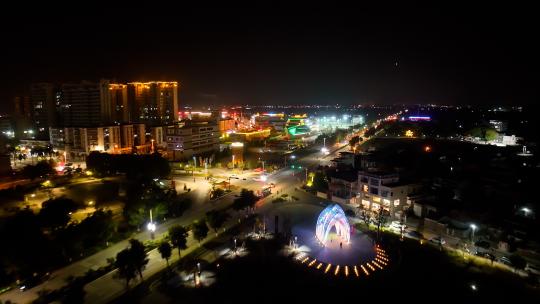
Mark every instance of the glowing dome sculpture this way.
pixel 333 216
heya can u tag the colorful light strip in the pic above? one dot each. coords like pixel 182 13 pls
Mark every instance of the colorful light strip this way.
pixel 327 268
pixel 364 269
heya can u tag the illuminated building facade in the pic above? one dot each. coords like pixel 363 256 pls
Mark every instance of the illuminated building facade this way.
pixel 153 103
pixel 384 190
pixel 237 149
pixel 275 121
pixel 118 108
pixel 246 136
pixel 110 139
pixel 333 217
pixel 192 139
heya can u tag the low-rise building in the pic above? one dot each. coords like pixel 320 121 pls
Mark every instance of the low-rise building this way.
pixel 379 189
pixel 246 136
pixel 78 141
pixel 343 186
pixel 192 139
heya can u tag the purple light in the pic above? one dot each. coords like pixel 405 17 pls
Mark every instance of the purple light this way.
pixel 416 118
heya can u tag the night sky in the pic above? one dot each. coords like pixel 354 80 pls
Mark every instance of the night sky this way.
pixel 280 55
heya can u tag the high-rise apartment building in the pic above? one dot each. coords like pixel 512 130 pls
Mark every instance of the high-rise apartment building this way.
pixel 45 99
pixel 119 107
pixel 85 104
pixel 153 103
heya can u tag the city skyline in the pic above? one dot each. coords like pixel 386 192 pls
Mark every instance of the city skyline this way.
pixel 402 54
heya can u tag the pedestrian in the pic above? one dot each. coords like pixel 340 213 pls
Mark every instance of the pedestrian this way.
pixel 340 245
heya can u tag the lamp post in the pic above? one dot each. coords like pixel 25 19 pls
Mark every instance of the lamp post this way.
pixel 526 211
pixel 473 227
pixel 234 245
pixel 152 141
pixel 151 226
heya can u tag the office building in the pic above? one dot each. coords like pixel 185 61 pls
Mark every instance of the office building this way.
pixel 191 139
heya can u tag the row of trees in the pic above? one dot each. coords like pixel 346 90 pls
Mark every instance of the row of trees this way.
pixel 133 260
pixel 41 169
pixel 139 167
pixel 59 240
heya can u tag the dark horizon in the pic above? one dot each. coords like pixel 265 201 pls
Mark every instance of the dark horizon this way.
pixel 445 55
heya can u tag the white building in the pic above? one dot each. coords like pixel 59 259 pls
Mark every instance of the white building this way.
pixel 193 139
pixel 384 190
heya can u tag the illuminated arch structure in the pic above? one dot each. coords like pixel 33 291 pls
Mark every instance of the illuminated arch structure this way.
pixel 333 216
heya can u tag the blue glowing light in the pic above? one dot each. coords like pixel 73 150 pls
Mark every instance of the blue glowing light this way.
pixel 333 216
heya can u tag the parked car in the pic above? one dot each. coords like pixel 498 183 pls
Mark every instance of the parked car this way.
pixel 396 226
pixel 414 235
pixel 438 240
pixel 486 255
pixel 530 268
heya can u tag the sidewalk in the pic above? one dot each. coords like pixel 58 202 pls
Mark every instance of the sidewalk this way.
pixel 108 287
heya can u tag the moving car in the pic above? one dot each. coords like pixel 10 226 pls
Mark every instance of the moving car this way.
pixel 530 268
pixel 505 260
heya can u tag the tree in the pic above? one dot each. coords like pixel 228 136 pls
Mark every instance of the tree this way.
pixel 354 141
pixel 381 219
pixel 178 236
pixel 518 262
pixel 95 229
pixel 165 250
pixel 125 265
pixel 364 216
pixel 40 169
pixel 138 255
pixel 200 230
pixel 319 182
pixel 246 199
pixel 54 213
pixel 216 219
pixel 216 193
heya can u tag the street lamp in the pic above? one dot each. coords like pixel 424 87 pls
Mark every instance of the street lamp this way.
pixel 526 211
pixel 151 226
pixel 235 245
pixel 473 227
pixel 199 268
